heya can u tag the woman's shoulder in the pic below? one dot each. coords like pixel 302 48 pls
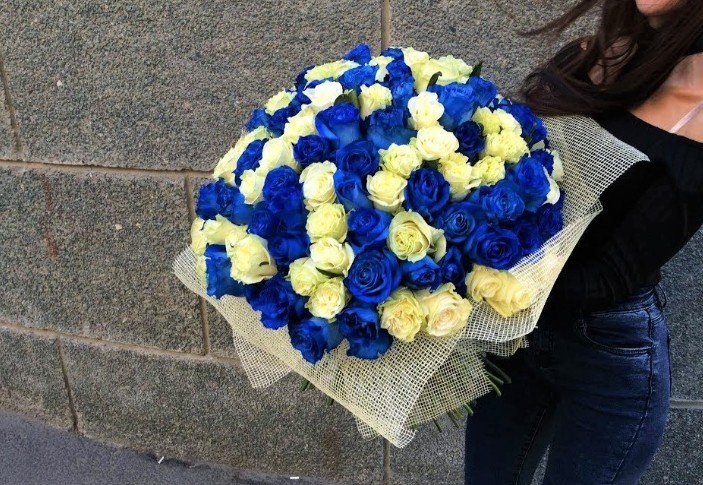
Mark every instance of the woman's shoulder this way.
pixel 681 156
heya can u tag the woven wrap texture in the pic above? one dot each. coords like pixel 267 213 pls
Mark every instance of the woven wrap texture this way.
pixel 419 381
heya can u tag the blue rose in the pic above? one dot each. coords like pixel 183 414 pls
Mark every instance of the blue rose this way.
pixel 531 181
pixel 312 149
pixel 387 126
pixel 361 326
pixel 220 198
pixel 533 129
pixel 373 276
pixel 421 274
pixel 502 203
pixel 340 124
pixel 259 117
pixel 367 228
pixel 359 157
pixel 294 217
pixel 286 247
pixel 550 220
pixel 350 190
pixel 493 246
pixel 459 103
pixel 471 143
pixel 401 83
pixel 452 270
pixel 278 303
pixel 393 52
pixel 545 158
pixel 264 221
pixel 282 189
pixel 458 221
pixel 358 76
pixel 427 193
pixel 361 54
pixel 313 337
pixel 300 81
pixel 249 159
pixel 484 91
pixel 280 117
pixel 528 232
pixel 217 273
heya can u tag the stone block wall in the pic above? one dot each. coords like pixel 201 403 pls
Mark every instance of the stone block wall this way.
pixel 113 113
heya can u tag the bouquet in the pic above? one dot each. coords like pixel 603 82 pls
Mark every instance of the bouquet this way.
pixel 379 227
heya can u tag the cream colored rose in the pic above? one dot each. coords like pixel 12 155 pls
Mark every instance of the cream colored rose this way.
pixel 251 261
pixel 323 95
pixel 453 70
pixel 489 122
pixel 276 153
pixel 554 194
pixel 445 310
pixel 374 97
pixel 331 256
pixel 201 269
pixel 500 289
pixel 411 238
pixel 304 277
pixel 506 145
pixel 425 110
pixel 558 169
pixel 225 167
pixel 458 172
pixel 327 221
pixel 328 299
pixel 251 185
pixel 402 315
pixel 278 101
pixel 386 190
pixel 414 57
pixel 435 142
pixel 218 231
pixel 382 63
pixel 508 122
pixel 302 124
pixel 490 170
pixel 318 184
pixel 400 159
pixel 197 238
pixel 331 69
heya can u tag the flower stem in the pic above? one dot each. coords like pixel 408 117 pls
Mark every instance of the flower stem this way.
pixel 305 385
pixel 436 423
pixel 498 371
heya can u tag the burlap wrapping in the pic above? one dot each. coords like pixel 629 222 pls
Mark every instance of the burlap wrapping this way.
pixel 419 381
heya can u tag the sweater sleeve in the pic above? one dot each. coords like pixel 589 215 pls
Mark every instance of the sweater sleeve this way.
pixel 656 227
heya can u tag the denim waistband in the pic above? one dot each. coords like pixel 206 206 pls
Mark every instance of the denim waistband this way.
pixel 644 297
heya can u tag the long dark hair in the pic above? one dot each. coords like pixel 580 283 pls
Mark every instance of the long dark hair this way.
pixel 637 58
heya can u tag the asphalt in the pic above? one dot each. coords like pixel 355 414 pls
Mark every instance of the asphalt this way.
pixel 32 453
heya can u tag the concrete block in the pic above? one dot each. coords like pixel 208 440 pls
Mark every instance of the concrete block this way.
pixel 207 411
pixel 90 254
pixel 31 380
pixel 162 84
pixel 480 31
pixel 7 142
pixel 684 291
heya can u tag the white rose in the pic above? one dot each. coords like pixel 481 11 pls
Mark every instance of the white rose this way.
pixel 554 194
pixel 386 190
pixel 381 62
pixel 251 261
pixel 411 238
pixel 506 145
pixel 225 167
pixel 558 169
pixel 276 153
pixel 302 124
pixel 490 170
pixel 425 110
pixel 251 185
pixel 218 231
pixel 331 256
pixel 435 142
pixel 304 277
pixel 278 101
pixel 445 310
pixel 400 159
pixel 324 95
pixel 458 172
pixel 197 238
pixel 500 289
pixel 318 184
pixel 374 97
pixel 488 121
pixel 327 221
pixel 508 122
pixel 331 69
pixel 328 299
pixel 401 314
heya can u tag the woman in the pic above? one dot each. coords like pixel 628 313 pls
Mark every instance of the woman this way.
pixel 594 383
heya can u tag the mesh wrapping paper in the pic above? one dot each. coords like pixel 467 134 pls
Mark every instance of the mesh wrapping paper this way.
pixel 422 380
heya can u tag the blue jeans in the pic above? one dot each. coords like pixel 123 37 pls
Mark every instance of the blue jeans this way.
pixel 595 389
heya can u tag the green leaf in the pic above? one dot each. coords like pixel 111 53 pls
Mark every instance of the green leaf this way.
pixel 476 70
pixel 329 274
pixel 348 97
pixel 434 79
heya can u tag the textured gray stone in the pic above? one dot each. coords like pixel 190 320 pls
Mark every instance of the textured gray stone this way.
pixel 207 411
pixel 161 84
pixel 35 454
pixel 7 143
pixel 91 254
pixel 684 290
pixel 680 459
pixel 480 31
pixel 31 380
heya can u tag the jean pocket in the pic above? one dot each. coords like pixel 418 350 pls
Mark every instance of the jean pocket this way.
pixel 620 332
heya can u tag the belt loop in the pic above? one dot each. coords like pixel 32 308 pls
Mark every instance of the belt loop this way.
pixel 661 295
